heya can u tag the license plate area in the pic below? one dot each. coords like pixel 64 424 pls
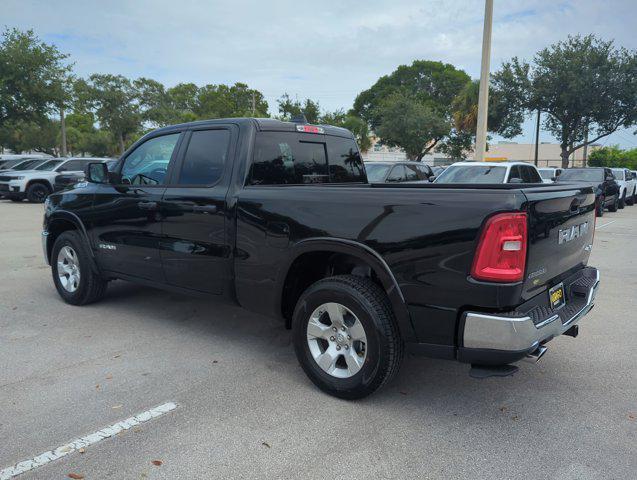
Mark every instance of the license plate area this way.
pixel 556 296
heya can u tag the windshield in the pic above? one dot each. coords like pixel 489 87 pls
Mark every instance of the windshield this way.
pixel 547 174
pixel 7 164
pixel 28 165
pixel 472 174
pixel 376 171
pixel 50 165
pixel 619 173
pixel 584 175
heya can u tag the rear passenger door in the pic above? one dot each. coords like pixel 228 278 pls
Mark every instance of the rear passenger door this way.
pixel 195 247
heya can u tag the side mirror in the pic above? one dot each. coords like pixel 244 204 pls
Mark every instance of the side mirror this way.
pixel 432 178
pixel 516 180
pixel 96 172
pixel 554 179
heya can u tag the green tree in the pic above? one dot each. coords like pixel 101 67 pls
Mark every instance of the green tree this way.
pixel 505 115
pixel 223 101
pixel 23 135
pixel 30 72
pixel 407 123
pixel 289 108
pixel 586 87
pixel 114 99
pixel 427 90
pixel 356 125
pixel 613 156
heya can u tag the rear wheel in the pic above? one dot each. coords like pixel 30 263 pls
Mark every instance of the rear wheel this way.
pixel 630 200
pixel 345 336
pixel 73 275
pixel 37 192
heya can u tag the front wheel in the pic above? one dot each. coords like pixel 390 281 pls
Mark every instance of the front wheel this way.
pixel 600 208
pixel 37 193
pixel 345 336
pixel 614 206
pixel 630 200
pixel 73 275
pixel 622 202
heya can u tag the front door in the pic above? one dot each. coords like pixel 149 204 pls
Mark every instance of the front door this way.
pixel 196 250
pixel 126 220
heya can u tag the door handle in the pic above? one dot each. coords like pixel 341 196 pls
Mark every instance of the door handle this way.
pixel 147 205
pixel 204 209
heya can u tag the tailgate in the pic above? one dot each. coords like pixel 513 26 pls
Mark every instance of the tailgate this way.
pixel 561 228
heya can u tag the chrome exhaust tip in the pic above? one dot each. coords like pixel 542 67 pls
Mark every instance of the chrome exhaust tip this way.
pixel 536 354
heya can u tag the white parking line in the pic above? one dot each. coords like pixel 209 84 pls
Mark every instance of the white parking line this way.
pixel 82 442
pixel 605 225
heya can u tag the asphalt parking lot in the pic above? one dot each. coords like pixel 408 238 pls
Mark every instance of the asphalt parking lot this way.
pixel 246 410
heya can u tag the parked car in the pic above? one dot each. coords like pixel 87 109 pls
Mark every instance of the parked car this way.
pixel 35 185
pixel 627 186
pixel 490 172
pixel 69 179
pixel 397 172
pixel 548 174
pixel 602 180
pixel 279 217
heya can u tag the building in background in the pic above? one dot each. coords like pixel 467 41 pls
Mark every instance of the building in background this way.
pixel 503 151
pixel 548 153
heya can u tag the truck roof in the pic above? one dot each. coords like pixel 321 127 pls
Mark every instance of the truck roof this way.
pixel 262 124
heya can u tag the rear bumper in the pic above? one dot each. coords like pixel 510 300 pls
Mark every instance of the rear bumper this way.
pixel 494 339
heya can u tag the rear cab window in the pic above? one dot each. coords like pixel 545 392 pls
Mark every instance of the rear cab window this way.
pixel 291 158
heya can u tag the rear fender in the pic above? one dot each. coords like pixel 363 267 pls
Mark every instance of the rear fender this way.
pixel 367 255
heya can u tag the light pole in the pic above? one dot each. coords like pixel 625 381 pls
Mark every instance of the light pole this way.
pixel 483 96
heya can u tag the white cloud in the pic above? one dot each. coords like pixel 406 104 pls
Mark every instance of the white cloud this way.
pixel 326 50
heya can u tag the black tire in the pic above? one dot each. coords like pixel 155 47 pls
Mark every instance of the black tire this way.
pixel 630 200
pixel 384 347
pixel 91 286
pixel 37 193
pixel 599 209
pixel 622 202
pixel 15 199
pixel 614 206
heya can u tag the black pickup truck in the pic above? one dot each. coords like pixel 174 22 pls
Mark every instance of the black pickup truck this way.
pixel 279 218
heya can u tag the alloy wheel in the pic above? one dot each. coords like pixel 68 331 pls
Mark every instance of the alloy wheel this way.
pixel 68 269
pixel 337 340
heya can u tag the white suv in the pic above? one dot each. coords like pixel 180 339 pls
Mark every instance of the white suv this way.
pixel 627 186
pixel 35 185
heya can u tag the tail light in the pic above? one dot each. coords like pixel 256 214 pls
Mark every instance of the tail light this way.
pixel 501 252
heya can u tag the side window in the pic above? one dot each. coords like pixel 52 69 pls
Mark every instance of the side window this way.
pixel 345 162
pixel 397 174
pixel 205 157
pixel 148 163
pixel 515 173
pixel 530 175
pixel 411 173
pixel 282 158
pixel 424 172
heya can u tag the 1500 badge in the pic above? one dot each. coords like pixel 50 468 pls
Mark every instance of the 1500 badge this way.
pixel 567 234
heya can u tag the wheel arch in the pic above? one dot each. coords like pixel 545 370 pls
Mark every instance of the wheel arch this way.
pixel 64 221
pixel 315 258
pixel 41 181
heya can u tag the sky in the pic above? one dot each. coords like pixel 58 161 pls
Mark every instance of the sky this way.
pixel 325 50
